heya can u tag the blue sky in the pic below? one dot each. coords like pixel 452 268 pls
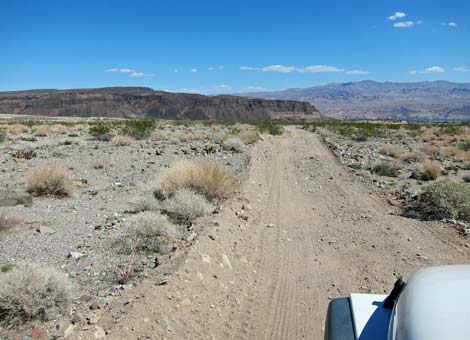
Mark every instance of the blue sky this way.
pixel 230 46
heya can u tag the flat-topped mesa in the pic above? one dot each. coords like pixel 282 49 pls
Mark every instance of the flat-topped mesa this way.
pixel 141 102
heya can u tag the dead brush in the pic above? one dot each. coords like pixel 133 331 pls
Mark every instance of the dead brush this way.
pixel 49 180
pixel 390 150
pixel 431 170
pixel 59 128
pixel 121 140
pixel 41 130
pixel 250 137
pixel 209 179
pixel 15 129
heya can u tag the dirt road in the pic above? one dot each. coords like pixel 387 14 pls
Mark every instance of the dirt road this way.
pixel 308 232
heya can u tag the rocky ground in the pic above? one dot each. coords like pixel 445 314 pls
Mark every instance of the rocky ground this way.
pixel 75 234
pixel 308 225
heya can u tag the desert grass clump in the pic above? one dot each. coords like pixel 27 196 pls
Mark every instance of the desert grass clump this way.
pixel 413 157
pixel 41 130
pixel 24 154
pixel 431 170
pixel 233 144
pixel 431 150
pixel 249 137
pixel 465 145
pixel 442 199
pixel 6 222
pixel 185 206
pixel 209 179
pixel 390 150
pixel 60 128
pixel 386 169
pixel 148 232
pixel 17 129
pixel 121 140
pixel 49 180
pixel 32 292
pixel 466 178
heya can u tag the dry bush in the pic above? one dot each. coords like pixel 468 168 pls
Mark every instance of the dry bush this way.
pixel 41 130
pixel 160 135
pixel 390 150
pixel 431 150
pixel 466 178
pixel 386 169
pixel 144 203
pixel 17 128
pixel 148 232
pixel 413 157
pixel 121 140
pixel 209 179
pixel 442 199
pixel 466 166
pixel 6 223
pixel 186 205
pixel 431 170
pixel 59 128
pixel 32 292
pixel 49 180
pixel 234 144
pixel 250 137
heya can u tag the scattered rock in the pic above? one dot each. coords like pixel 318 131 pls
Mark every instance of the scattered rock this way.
pixel 46 230
pixel 270 225
pixel 16 197
pixel 226 261
pixel 75 255
pixel 206 258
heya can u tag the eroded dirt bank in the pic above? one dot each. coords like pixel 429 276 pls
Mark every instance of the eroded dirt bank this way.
pixel 302 233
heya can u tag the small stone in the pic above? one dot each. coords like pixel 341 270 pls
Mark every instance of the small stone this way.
pixel 38 333
pixel 46 230
pixel 270 225
pixel 76 318
pixel 226 261
pixel 206 258
pixel 76 255
pixel 94 306
pixel 99 333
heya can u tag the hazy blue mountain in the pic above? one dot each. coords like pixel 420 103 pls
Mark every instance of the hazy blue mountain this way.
pixel 427 100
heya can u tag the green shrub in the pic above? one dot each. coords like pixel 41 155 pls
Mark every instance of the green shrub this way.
pixel 443 199
pixel 100 131
pixel 7 267
pixel 386 169
pixel 3 135
pixel 268 126
pixel 465 145
pixel 24 154
pixel 139 129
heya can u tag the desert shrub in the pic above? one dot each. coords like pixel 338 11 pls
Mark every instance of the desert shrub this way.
pixel 7 267
pixel 49 180
pixel 100 130
pixel 413 157
pixel 60 128
pixel 209 179
pixel 24 154
pixel 442 199
pixel 249 137
pixel 431 150
pixel 268 126
pixel 32 292
pixel 233 144
pixel 139 129
pixel 28 139
pixel 466 178
pixel 186 205
pixel 17 128
pixel 121 140
pixel 466 166
pixel 386 169
pixel 465 145
pixel 390 150
pixel 5 222
pixel 431 170
pixel 3 135
pixel 148 232
pixel 41 130
pixel 146 202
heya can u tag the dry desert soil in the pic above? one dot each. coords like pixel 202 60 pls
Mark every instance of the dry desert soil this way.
pixel 303 231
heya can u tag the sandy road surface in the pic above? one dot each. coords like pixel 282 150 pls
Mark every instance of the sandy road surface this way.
pixel 312 233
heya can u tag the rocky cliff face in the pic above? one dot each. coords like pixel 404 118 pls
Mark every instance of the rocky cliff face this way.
pixel 140 102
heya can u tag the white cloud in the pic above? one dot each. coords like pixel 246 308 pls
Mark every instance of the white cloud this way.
pixel 450 23
pixel 120 70
pixel 216 68
pixel 278 68
pixel 137 74
pixel 429 70
pixel 307 69
pixel 405 24
pixel 255 88
pixel 176 70
pixel 396 16
pixel 223 87
pixel 357 72
pixel 207 90
pixel 194 70
pixel 320 69
pixel 462 69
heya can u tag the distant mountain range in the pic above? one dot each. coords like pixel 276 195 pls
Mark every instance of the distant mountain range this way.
pixel 142 102
pixel 428 100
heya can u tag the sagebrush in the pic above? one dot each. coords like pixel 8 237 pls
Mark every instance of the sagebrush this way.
pixel 49 180
pixel 32 292
pixel 185 206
